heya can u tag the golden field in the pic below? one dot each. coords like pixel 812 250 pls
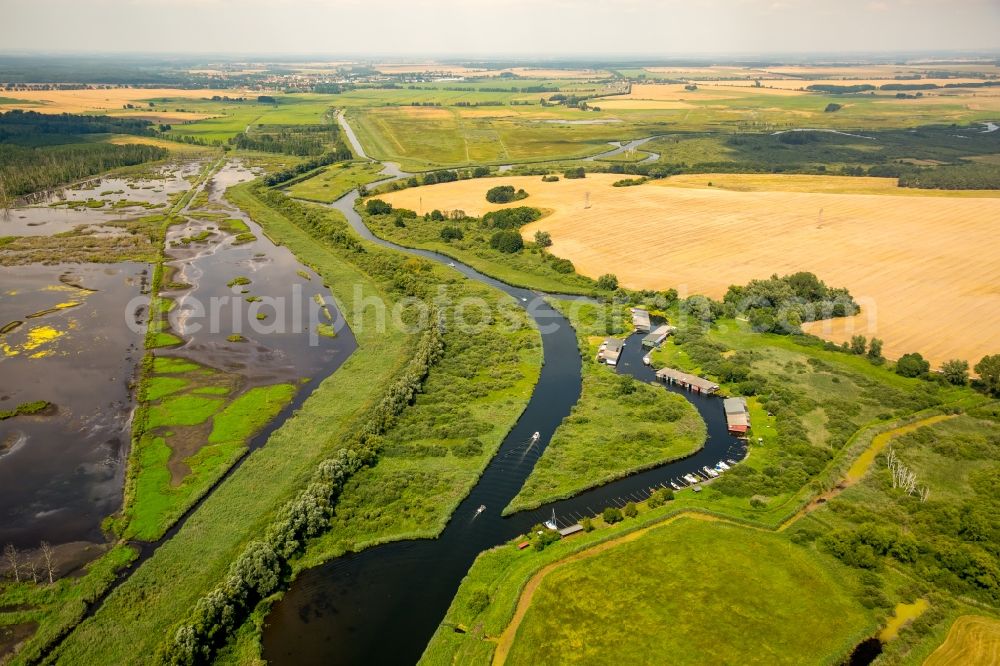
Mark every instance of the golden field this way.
pixel 922 264
pixel 89 100
pixel 971 640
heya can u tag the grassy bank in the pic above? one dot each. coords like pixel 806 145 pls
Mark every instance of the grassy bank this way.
pixel 335 181
pixel 619 426
pixel 532 267
pixel 132 620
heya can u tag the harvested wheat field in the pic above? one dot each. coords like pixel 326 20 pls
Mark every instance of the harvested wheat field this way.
pixel 98 99
pixel 971 640
pixel 923 267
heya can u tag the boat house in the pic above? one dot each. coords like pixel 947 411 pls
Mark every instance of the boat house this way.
pixel 640 319
pixel 684 380
pixel 737 416
pixel 610 350
pixel 657 336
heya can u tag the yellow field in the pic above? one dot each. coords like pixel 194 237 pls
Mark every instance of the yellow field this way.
pixel 795 84
pixel 83 101
pixel 972 641
pixel 673 92
pixel 923 267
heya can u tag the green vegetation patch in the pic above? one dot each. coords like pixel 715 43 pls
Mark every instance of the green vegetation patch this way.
pixel 250 412
pixel 182 410
pixel 336 180
pixel 727 594
pixel 25 409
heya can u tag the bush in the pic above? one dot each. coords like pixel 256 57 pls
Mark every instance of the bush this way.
pixel 587 524
pixel 478 601
pixel 511 218
pixel 912 365
pixel 578 172
pixel 611 515
pixel 564 266
pixel 550 179
pixel 758 502
pixel 504 194
pixel 630 510
pixel 449 234
pixel 607 282
pixel 543 239
pixel 377 207
pixel 509 242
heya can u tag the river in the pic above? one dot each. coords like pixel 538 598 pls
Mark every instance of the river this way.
pixel 383 604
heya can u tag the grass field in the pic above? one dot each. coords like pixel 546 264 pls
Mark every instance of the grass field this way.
pixel 335 181
pixel 727 594
pixel 972 640
pixel 904 258
pixel 618 426
pixel 420 137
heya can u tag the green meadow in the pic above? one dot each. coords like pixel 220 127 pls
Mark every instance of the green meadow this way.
pixel 335 181
pixel 698 592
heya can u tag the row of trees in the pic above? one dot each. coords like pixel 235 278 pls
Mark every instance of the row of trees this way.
pixel 339 154
pixel 25 170
pixel 22 567
pixel 263 565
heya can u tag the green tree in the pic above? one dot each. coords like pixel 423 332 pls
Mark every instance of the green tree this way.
pixel 607 282
pixel 630 510
pixel 611 515
pixel 858 344
pixel 377 207
pixel 988 370
pixel 875 351
pixel 449 234
pixel 912 365
pixel 956 371
pixel 543 239
pixel 587 524
pixel 509 242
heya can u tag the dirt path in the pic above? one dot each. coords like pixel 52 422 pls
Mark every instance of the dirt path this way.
pixel 856 472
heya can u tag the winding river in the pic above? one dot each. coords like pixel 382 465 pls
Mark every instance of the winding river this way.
pixel 381 605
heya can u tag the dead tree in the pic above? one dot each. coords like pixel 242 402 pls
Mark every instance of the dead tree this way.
pixel 13 562
pixel 50 568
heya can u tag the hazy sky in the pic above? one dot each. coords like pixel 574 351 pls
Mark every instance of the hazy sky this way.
pixel 499 27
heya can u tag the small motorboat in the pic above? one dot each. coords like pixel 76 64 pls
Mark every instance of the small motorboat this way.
pixel 523 299
pixel 537 436
pixel 711 472
pixel 722 465
pixel 482 507
pixel 674 486
pixel 451 263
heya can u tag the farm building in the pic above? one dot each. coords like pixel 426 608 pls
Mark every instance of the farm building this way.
pixel 684 380
pixel 737 415
pixel 640 319
pixel 610 350
pixel 657 336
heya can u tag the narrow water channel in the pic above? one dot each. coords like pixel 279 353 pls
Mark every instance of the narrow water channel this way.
pixel 382 605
